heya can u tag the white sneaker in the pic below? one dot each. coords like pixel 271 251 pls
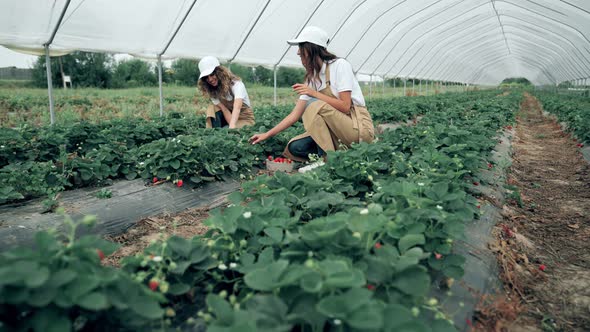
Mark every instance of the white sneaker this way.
pixel 311 166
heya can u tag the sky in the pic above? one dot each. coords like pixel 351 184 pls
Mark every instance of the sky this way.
pixel 10 58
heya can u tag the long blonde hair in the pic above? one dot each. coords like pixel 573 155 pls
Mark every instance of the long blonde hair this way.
pixel 223 88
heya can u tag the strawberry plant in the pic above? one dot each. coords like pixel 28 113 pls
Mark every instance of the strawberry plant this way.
pixel 63 286
pixel 569 109
pixel 176 265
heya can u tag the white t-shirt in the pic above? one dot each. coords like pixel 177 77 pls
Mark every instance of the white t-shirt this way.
pixel 342 78
pixel 239 91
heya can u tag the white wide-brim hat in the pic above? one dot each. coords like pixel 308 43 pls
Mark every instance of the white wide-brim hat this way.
pixel 312 35
pixel 207 65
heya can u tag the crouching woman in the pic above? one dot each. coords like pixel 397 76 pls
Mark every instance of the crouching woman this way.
pixel 231 105
pixel 331 103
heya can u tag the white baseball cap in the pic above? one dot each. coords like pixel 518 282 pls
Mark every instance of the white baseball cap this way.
pixel 207 65
pixel 312 35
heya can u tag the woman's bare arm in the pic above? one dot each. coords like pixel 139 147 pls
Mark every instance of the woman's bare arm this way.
pixel 238 102
pixel 287 122
pixel 343 103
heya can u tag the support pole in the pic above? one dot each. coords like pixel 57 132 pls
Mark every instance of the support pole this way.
pixel 383 87
pixel 48 62
pixel 160 83
pixel 394 86
pixel 405 84
pixel 275 85
pixel 49 85
pixel 420 87
pixel 371 87
pixel 413 86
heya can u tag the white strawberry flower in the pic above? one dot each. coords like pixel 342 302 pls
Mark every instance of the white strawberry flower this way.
pixel 247 215
pixel 364 211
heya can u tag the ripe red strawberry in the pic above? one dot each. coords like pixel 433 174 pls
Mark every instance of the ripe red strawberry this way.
pixel 370 287
pixel 437 255
pixel 542 267
pixel 154 284
pixel 179 183
pixel 509 127
pixel 476 183
pixel 507 231
pixel 378 245
pixel 289 161
pixel 100 254
pixel 490 165
pixel 479 206
pixel 155 179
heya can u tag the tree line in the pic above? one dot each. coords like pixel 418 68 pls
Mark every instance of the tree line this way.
pixel 99 70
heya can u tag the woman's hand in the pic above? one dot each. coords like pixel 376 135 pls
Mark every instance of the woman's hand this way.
pixel 304 89
pixel 257 138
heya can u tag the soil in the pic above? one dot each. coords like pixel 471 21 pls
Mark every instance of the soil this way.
pixel 543 243
pixel 185 224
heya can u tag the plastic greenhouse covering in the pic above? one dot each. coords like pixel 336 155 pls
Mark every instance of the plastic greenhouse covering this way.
pixel 469 41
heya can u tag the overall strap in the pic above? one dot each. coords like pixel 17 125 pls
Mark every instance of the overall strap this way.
pixel 328 83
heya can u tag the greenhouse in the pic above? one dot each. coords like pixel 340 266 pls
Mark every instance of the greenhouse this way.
pixel 312 165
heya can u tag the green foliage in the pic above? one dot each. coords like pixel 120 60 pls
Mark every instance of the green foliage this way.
pixel 63 286
pixel 263 75
pixel 133 73
pixel 516 80
pixel 572 110
pixel 86 70
pixel 104 193
pixel 288 76
pixel 101 71
pixel 353 245
pixel 185 72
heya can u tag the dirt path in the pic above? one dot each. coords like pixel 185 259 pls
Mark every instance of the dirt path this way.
pixel 185 224
pixel 543 244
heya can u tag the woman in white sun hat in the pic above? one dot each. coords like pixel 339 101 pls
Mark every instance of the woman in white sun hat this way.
pixel 231 105
pixel 331 102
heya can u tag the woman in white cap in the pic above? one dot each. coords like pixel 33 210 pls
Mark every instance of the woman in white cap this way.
pixel 231 105
pixel 331 102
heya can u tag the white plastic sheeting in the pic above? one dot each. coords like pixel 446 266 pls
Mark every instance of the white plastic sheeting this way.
pixel 470 41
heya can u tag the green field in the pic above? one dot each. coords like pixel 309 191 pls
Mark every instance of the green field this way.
pixel 19 105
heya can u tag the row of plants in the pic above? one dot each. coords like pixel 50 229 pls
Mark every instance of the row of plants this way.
pixel 352 246
pixel 570 109
pixel 29 143
pixel 37 162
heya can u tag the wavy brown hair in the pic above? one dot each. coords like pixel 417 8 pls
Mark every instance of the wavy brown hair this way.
pixel 313 57
pixel 223 88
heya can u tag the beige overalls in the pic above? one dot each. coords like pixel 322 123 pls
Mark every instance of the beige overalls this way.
pixel 246 117
pixel 330 128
